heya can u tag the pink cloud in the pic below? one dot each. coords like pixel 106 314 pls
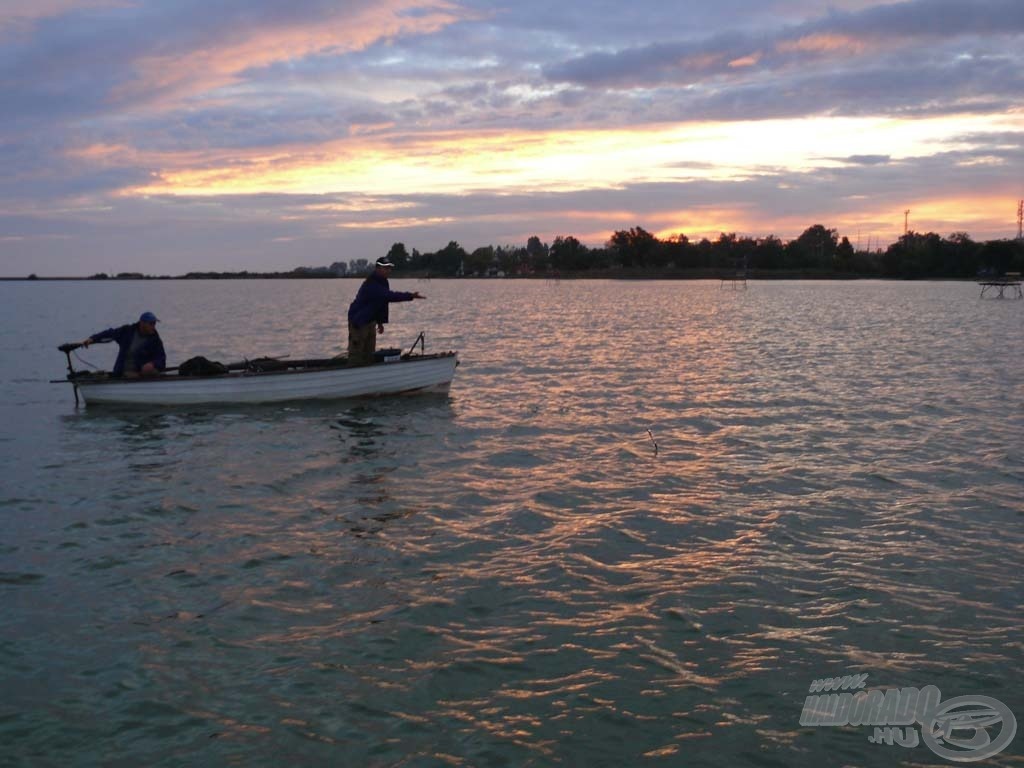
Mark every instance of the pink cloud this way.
pixel 19 11
pixel 169 78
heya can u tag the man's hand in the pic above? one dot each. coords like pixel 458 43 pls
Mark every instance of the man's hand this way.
pixel 380 327
pixel 87 342
pixel 417 295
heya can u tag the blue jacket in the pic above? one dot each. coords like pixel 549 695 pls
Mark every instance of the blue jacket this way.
pixel 151 351
pixel 371 303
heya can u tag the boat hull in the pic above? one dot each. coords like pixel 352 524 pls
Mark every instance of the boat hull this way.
pixel 431 373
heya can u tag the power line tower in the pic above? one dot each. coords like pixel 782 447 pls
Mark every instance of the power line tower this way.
pixel 1020 219
pixel 906 217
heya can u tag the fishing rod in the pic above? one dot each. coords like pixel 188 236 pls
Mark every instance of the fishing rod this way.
pixel 421 341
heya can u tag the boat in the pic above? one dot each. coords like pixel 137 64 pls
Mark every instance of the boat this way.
pixel 272 380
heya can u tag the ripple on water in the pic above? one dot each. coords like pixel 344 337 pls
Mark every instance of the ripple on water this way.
pixel 599 551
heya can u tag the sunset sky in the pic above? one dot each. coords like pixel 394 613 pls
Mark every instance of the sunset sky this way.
pixel 163 137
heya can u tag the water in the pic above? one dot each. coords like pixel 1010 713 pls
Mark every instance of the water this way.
pixel 647 517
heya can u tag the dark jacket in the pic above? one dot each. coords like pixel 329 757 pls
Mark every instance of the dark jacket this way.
pixel 151 351
pixel 371 303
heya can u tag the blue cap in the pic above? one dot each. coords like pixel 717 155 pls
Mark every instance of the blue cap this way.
pixel 148 317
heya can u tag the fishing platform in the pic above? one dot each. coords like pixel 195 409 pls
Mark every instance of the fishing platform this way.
pixel 1007 286
pixel 736 278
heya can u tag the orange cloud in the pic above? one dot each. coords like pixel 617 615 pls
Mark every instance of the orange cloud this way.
pixel 101 154
pixel 403 222
pixel 121 155
pixel 172 77
pixel 696 223
pixel 375 168
pixel 823 43
pixel 746 61
pixel 992 211
pixel 441 161
pixel 699 62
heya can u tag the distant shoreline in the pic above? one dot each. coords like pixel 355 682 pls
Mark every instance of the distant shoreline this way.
pixel 635 254
pixel 618 274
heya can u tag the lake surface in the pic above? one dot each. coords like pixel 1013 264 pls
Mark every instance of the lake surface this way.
pixel 648 516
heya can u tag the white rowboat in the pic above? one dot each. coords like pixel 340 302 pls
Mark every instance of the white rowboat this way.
pixel 302 380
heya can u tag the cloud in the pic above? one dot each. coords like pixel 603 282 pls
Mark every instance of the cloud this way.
pixel 912 82
pixel 479 120
pixel 17 17
pixel 862 196
pixel 612 24
pixel 108 60
pixel 834 37
pixel 865 159
pixel 155 78
pixel 199 66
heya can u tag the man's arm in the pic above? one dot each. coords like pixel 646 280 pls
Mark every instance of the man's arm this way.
pixel 403 296
pixel 111 334
pixel 160 358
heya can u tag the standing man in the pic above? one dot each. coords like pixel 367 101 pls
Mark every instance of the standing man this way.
pixel 368 313
pixel 140 349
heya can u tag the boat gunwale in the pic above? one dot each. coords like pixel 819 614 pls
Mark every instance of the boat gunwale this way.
pixel 90 379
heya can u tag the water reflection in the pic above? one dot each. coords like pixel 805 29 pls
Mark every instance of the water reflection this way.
pixel 139 426
pixel 515 575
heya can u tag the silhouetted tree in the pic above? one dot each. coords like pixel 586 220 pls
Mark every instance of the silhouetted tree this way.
pixel 632 247
pixel 817 248
pixel 770 254
pixel 399 255
pixel 449 259
pixel 421 261
pixel 961 255
pixel 724 251
pixel 1002 256
pixel 511 259
pixel 914 255
pixel 844 255
pixel 480 261
pixel 813 249
pixel 678 252
pixel 705 251
pixel 537 254
pixel 569 253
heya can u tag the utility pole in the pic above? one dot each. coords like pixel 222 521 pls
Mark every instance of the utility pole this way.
pixel 906 215
pixel 1020 219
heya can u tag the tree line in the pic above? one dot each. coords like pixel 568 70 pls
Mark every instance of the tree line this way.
pixel 817 251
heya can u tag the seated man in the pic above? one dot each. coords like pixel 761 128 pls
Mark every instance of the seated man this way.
pixel 140 349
